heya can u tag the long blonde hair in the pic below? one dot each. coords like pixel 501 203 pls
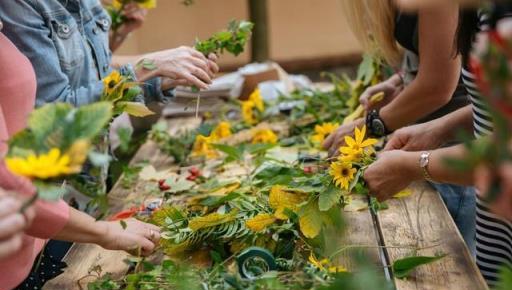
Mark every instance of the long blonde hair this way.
pixel 373 23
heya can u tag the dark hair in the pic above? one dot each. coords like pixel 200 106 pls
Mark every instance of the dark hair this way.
pixel 466 32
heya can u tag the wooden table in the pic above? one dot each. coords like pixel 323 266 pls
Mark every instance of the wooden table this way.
pixel 418 221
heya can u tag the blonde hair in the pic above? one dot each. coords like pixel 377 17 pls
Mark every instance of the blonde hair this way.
pixel 373 23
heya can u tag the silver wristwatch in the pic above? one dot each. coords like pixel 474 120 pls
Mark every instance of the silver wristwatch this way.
pixel 424 161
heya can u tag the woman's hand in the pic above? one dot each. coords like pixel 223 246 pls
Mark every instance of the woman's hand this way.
pixel 134 17
pixel 137 238
pixel 391 173
pixel 426 136
pixel 337 138
pixel 391 88
pixel 12 224
pixel 182 66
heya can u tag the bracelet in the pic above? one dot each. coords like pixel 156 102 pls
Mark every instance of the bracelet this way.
pixel 424 162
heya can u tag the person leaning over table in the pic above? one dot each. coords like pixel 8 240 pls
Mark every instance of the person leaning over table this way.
pixel 424 93
pixel 67 41
pixel 52 220
pixel 404 162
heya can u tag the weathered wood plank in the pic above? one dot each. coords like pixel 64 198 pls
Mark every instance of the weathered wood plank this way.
pixel 81 258
pixel 360 231
pixel 422 220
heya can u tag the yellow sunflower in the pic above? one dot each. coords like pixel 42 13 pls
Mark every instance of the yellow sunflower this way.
pixel 359 142
pixel 264 136
pixel 117 4
pixel 223 130
pixel 78 154
pixel 322 131
pixel 350 155
pixel 112 81
pixel 260 222
pixel 203 148
pixel 248 113
pixel 147 4
pixel 281 199
pixel 342 173
pixel 257 99
pixel 325 265
pixel 44 166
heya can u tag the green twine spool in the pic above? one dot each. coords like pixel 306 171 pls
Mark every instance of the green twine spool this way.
pixel 254 262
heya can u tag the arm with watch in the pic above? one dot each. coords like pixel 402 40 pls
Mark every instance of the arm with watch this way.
pixel 432 87
pixel 413 154
pixel 395 170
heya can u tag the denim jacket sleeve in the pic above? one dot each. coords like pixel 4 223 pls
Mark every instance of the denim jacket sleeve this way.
pixel 26 27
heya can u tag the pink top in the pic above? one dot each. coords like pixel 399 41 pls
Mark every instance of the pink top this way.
pixel 17 97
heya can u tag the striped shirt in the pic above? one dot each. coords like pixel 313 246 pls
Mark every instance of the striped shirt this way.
pixel 493 234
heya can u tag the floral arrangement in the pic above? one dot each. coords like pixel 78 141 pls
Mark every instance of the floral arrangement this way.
pixel 122 91
pixel 232 40
pixel 254 185
pixel 56 144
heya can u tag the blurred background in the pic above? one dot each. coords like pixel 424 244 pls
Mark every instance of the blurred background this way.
pixel 303 36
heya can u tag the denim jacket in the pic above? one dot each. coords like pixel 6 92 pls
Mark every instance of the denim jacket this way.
pixel 67 42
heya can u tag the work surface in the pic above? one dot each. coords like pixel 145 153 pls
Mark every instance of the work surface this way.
pixel 420 221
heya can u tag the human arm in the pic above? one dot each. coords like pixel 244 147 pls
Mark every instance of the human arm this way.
pixel 137 236
pixel 432 88
pixel 134 17
pixel 395 170
pixel 179 66
pixel 433 134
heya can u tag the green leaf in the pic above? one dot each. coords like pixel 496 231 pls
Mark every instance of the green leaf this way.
pixel 505 280
pixel 90 120
pixel 403 267
pixel 125 137
pixel 329 198
pixel 310 220
pixel 135 109
pixel 147 64
pixel 234 153
pixel 99 159
pixel 366 69
pixel 49 192
pixel 256 149
pixel 179 184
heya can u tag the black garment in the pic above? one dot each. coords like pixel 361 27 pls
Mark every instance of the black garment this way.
pixel 407 35
pixel 406 31
pixel 47 265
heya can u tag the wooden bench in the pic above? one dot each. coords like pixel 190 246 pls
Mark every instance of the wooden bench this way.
pixel 419 221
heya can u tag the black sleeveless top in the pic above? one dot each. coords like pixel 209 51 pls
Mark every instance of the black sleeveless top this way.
pixel 406 33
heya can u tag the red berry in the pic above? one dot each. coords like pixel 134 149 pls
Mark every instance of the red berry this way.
pixel 164 187
pixel 194 171
pixel 192 178
pixel 308 169
pixel 161 182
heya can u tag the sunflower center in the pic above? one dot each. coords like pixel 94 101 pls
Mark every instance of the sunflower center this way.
pixel 345 172
pixel 111 84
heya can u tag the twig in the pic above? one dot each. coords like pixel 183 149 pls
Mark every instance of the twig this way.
pixel 339 251
pixel 198 101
